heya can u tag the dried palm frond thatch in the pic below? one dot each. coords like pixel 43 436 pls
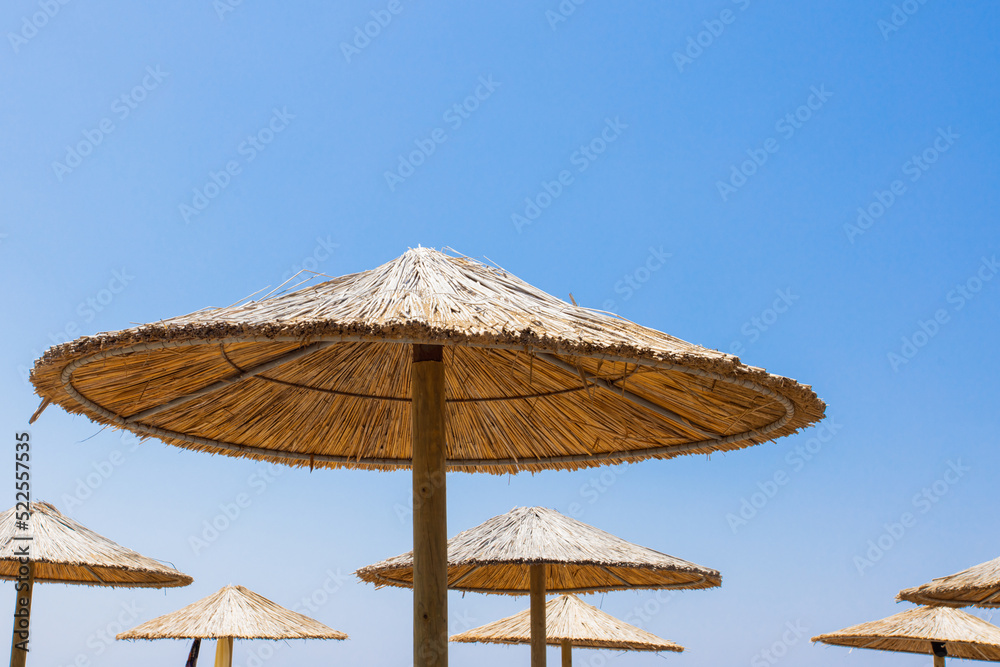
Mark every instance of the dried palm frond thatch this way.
pixel 979 585
pixel 917 630
pixel 496 556
pixel 233 611
pixel 570 621
pixel 65 552
pixel 320 376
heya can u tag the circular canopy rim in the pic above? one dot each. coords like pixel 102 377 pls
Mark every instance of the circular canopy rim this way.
pixel 452 464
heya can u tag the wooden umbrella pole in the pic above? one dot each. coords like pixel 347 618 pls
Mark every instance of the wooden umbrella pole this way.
pixel 22 614
pixel 430 509
pixel 537 586
pixel 939 661
pixel 224 652
pixel 567 653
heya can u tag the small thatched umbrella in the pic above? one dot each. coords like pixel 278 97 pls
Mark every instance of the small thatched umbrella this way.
pixel 232 612
pixel 570 622
pixel 939 631
pixel 979 585
pixel 531 550
pixel 430 361
pixel 56 549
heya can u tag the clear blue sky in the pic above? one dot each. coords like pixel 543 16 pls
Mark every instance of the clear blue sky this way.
pixel 155 160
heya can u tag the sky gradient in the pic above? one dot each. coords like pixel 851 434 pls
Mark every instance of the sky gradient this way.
pixel 810 187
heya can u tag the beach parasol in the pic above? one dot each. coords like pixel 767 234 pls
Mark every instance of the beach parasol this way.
pixel 49 547
pixel 432 362
pixel 570 622
pixel 940 631
pixel 534 550
pixel 233 612
pixel 979 585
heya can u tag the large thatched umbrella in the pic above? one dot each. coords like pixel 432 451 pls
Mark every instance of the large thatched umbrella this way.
pixel 52 548
pixel 531 550
pixel 979 585
pixel 429 361
pixel 233 612
pixel 939 631
pixel 570 622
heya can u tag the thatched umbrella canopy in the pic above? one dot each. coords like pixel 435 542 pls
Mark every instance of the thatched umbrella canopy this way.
pixel 57 549
pixel 570 622
pixel 979 585
pixel 498 555
pixel 233 612
pixel 532 550
pixel 939 631
pixel 431 361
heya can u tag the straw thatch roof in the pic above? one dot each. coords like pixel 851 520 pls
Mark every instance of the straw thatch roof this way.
pixel 65 552
pixel 321 376
pixel 913 631
pixel 233 611
pixel 567 618
pixel 495 557
pixel 979 585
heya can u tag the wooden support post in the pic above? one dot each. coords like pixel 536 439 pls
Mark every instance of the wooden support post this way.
pixel 430 509
pixel 939 661
pixel 22 614
pixel 567 653
pixel 224 652
pixel 537 585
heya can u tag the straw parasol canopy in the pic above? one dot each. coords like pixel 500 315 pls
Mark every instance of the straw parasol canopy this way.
pixel 320 376
pixel 66 552
pixel 44 545
pixel 497 556
pixel 234 612
pixel 431 361
pixel 959 634
pixel 979 585
pixel 570 622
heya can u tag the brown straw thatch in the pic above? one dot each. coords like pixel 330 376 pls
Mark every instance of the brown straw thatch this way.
pixel 979 585
pixel 914 631
pixel 320 376
pixel 65 552
pixel 495 557
pixel 569 619
pixel 233 611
